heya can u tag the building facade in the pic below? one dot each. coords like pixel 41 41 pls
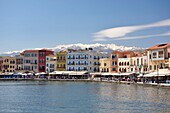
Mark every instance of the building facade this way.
pixel 61 59
pixel 9 64
pixel 124 65
pixel 35 60
pixel 104 64
pixel 139 64
pixel 158 57
pixel 115 56
pixel 50 63
pixel 19 63
pixel 84 60
pixel 1 63
pixel 30 60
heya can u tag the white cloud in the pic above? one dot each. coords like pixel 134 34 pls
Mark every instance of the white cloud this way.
pixel 145 36
pixel 121 32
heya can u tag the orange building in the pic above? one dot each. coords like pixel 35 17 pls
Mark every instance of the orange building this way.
pixel 114 59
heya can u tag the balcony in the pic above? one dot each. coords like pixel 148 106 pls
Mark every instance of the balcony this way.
pixel 71 64
pixel 60 59
pixel 96 63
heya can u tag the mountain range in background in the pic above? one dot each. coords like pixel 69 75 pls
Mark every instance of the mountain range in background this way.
pixel 96 47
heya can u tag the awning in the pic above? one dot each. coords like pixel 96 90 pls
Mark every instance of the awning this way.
pixel 43 73
pixel 56 73
pixel 24 74
pixel 96 73
pixel 160 72
pixel 78 73
pixel 106 74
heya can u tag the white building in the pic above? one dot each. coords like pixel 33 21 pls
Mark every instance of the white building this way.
pixel 50 63
pixel 124 65
pixel 139 64
pixel 133 64
pixel 84 60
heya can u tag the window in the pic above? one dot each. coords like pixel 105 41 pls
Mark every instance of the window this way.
pixel 134 62
pixel 150 67
pixel 113 63
pixel 107 69
pixel 85 68
pixel 150 56
pixel 94 57
pixel 105 64
pixel 113 69
pixel 154 55
pixel 160 54
pixel 137 62
pixel 35 61
pixel 114 56
pixel 42 67
pixel 154 67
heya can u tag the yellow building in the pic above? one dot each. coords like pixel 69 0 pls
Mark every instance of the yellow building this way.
pixel 61 61
pixel 8 65
pixel 105 65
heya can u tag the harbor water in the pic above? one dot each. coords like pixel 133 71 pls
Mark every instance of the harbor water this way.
pixel 81 97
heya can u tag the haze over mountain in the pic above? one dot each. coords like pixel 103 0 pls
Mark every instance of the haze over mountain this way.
pixel 97 47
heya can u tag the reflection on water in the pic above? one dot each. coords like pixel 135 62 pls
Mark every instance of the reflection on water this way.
pixel 73 97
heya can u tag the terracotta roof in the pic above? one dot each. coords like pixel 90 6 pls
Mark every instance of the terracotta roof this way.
pixel 36 50
pixel 159 46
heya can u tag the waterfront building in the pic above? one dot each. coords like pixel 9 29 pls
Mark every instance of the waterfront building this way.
pixel 19 63
pixel 1 63
pixel 84 60
pixel 158 56
pixel 50 63
pixel 30 60
pixel 115 56
pixel 8 65
pixel 104 64
pixel 61 58
pixel 35 60
pixel 139 64
pixel 124 65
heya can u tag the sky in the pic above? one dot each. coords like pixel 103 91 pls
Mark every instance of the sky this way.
pixel 47 23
